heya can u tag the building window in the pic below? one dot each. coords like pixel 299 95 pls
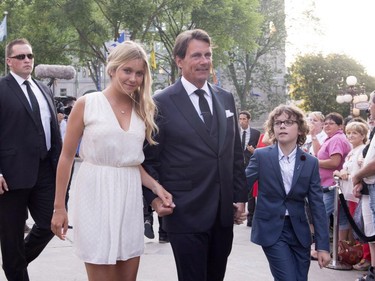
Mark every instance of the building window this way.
pixel 63 92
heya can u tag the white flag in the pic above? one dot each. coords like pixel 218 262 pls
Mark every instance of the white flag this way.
pixel 3 29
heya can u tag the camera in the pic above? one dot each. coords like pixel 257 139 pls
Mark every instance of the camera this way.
pixel 64 110
pixel 64 105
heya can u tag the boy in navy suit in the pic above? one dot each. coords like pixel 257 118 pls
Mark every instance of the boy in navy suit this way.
pixel 286 177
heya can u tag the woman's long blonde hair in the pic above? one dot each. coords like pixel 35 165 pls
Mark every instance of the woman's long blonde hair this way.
pixel 143 102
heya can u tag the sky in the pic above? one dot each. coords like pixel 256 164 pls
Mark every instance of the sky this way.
pixel 345 27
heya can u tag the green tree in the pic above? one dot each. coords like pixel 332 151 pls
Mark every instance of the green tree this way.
pixel 63 30
pixel 251 68
pixel 229 23
pixel 314 81
pixel 36 21
pixel 158 21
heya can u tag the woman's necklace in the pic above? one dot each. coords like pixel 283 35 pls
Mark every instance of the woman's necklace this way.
pixel 122 111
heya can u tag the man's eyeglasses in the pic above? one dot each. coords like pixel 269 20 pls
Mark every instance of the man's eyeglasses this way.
pixel 287 123
pixel 23 56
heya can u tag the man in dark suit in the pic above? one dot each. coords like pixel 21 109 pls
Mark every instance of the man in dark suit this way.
pixel 249 141
pixel 286 177
pixel 30 145
pixel 199 161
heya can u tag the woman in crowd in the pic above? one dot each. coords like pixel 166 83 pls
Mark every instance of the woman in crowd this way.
pixel 108 205
pixel 356 133
pixel 316 136
pixel 331 156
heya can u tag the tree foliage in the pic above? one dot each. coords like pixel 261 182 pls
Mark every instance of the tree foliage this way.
pixel 254 68
pixel 230 24
pixel 63 30
pixel 37 21
pixel 315 80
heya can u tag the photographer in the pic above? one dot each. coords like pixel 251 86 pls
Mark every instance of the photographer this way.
pixel 64 107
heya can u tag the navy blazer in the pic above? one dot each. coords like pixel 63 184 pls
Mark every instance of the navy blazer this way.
pixel 204 176
pixel 272 200
pixel 19 154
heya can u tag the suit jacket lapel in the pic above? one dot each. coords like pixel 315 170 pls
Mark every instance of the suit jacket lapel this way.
pixel 49 100
pixel 17 91
pixel 252 137
pixel 221 117
pixel 298 167
pixel 184 105
pixel 276 166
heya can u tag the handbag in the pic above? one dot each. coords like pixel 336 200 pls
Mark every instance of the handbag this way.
pixel 349 253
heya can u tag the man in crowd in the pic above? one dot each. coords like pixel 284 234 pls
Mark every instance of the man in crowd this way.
pixel 30 145
pixel 249 141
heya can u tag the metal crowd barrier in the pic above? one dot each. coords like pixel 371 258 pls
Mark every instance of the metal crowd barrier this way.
pixel 335 263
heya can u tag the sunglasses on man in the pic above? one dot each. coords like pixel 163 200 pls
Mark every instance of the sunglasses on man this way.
pixel 23 56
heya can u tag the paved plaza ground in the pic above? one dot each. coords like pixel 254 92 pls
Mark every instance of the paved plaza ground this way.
pixel 246 262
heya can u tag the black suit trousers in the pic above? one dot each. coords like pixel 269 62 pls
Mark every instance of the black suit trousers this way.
pixel 202 256
pixel 17 251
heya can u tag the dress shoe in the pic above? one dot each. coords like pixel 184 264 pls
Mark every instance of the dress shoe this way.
pixel 163 239
pixel 149 232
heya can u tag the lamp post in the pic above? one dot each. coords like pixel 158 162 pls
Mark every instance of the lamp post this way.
pixel 356 98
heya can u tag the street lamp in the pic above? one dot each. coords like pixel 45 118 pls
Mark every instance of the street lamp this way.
pixel 356 98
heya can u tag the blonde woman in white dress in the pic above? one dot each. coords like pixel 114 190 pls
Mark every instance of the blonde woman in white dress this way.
pixel 108 205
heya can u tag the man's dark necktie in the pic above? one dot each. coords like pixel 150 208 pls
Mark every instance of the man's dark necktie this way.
pixel 204 108
pixel 36 112
pixel 243 140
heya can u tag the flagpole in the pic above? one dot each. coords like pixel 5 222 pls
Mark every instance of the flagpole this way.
pixel 5 44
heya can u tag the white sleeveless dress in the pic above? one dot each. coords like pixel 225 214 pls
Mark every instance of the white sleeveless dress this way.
pixel 108 206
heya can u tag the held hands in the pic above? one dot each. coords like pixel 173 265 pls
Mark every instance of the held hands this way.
pixel 165 196
pixel 3 185
pixel 59 223
pixel 239 213
pixel 163 205
pixel 162 210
